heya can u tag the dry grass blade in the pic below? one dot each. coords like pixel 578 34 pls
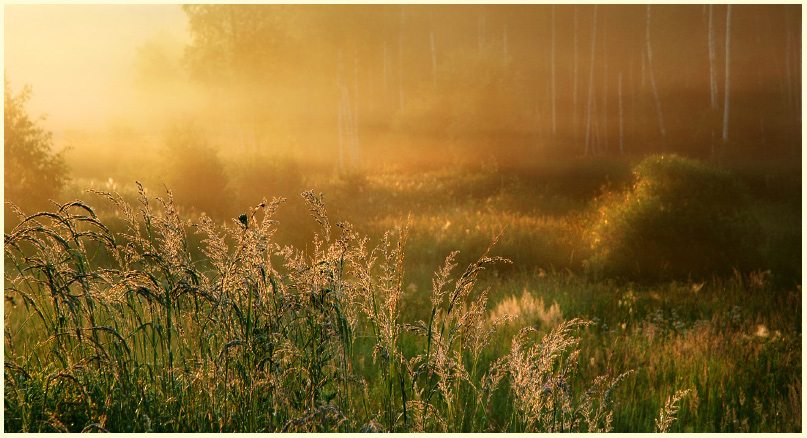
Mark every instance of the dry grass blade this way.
pixel 667 416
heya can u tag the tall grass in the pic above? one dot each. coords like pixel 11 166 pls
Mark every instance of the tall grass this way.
pixel 137 331
pixel 125 316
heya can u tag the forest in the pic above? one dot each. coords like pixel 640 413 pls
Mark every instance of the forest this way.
pixel 402 218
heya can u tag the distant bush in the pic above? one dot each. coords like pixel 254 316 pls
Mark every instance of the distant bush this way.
pixel 34 173
pixel 254 175
pixel 193 169
pixel 680 218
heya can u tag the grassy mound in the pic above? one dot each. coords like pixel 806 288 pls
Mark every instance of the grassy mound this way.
pixel 681 218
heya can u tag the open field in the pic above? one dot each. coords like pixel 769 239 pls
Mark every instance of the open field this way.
pixel 514 218
pixel 148 317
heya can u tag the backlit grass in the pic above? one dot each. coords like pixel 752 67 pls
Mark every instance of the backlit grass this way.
pixel 126 314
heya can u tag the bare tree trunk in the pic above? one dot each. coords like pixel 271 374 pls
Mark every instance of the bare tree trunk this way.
pixel 655 89
pixel 433 50
pixel 587 149
pixel 354 155
pixel 791 100
pixel 604 111
pixel 552 62
pixel 481 32
pixel 342 117
pixel 386 63
pixel 712 77
pixel 575 118
pixel 505 53
pixel 797 67
pixel 728 78
pixel 621 118
pixel 712 61
pixel 400 61
pixel 631 128
pixel 644 69
pixel 348 121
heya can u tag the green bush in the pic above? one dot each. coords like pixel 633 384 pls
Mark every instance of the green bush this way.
pixel 680 218
pixel 34 172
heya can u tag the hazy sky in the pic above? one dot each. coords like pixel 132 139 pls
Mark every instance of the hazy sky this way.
pixel 78 56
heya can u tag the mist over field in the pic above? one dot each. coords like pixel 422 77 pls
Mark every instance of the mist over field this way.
pixel 514 218
pixel 513 84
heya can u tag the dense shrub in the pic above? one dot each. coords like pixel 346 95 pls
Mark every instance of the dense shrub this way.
pixel 680 218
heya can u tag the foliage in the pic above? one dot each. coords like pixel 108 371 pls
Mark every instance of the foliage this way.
pixel 33 172
pixel 234 44
pixel 680 218
pixel 475 101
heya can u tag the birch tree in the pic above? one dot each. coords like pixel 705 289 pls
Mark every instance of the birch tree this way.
pixel 574 79
pixel 712 76
pixel 400 60
pixel 654 87
pixel 728 76
pixel 552 62
pixel 603 146
pixel 621 117
pixel 591 84
pixel 433 49
pixel 348 120
pixel 712 60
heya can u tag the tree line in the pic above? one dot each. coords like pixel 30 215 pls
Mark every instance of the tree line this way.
pixel 569 79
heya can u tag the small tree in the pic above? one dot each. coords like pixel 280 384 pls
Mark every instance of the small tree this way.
pixel 34 173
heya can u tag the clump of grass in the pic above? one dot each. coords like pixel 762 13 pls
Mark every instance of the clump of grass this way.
pixel 540 380
pixel 139 331
pixel 667 414
pixel 527 309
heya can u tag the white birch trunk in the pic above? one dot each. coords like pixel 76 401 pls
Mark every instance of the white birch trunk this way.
pixel 386 69
pixel 348 121
pixel 481 32
pixel 354 156
pixel 552 62
pixel 587 149
pixel 575 118
pixel 621 117
pixel 644 69
pixel 655 89
pixel 604 144
pixel 340 112
pixel 433 49
pixel 712 75
pixel 791 101
pixel 504 45
pixel 400 62
pixel 728 77
pixel 712 61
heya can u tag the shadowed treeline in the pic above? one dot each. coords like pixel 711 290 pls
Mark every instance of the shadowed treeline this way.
pixel 338 89
pixel 504 81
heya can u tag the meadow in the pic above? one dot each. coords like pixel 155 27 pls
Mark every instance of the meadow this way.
pixel 625 295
